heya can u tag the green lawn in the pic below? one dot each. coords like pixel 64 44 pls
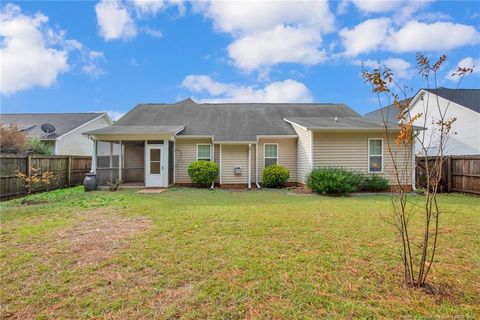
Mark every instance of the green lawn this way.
pixel 198 254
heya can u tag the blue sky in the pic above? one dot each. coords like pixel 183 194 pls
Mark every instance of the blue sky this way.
pixel 60 56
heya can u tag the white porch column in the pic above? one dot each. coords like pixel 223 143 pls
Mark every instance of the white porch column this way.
pixel 120 161
pixel 93 168
pixel 249 166
pixel 165 163
pixel 220 165
pixel 145 162
pixel 414 166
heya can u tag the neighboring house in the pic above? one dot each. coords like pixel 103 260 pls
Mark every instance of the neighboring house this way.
pixel 154 144
pixel 464 104
pixel 61 131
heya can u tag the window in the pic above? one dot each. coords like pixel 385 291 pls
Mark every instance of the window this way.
pixel 270 154
pixel 204 152
pixel 375 155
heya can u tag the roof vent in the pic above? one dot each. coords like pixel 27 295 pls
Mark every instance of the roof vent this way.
pixel 48 129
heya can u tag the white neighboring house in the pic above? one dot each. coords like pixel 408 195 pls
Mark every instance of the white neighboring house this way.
pixel 464 104
pixel 66 138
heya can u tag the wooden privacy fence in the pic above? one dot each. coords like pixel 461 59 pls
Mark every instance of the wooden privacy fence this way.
pixel 66 170
pixel 459 173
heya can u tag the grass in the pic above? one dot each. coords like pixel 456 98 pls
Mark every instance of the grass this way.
pixel 198 254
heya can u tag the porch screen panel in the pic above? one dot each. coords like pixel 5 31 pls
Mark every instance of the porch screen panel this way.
pixel 134 161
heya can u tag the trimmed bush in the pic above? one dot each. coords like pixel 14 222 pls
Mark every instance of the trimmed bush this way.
pixel 334 180
pixel 374 183
pixel 203 172
pixel 275 176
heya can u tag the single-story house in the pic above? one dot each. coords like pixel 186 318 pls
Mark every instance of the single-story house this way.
pixel 464 104
pixel 153 144
pixel 61 131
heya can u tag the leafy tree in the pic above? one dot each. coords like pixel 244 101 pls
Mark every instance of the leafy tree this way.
pixel 417 256
pixel 12 140
pixel 37 146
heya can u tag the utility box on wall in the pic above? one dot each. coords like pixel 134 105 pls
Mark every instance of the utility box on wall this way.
pixel 237 170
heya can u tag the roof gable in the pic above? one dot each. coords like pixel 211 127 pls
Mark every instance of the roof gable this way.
pixel 469 98
pixel 30 123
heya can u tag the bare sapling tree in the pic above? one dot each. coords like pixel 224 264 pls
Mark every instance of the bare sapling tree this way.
pixel 402 131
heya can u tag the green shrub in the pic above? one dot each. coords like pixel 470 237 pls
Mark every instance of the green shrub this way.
pixel 374 183
pixel 275 176
pixel 334 180
pixel 203 172
pixel 37 146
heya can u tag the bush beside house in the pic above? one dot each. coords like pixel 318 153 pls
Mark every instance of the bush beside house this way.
pixel 341 181
pixel 203 173
pixel 275 176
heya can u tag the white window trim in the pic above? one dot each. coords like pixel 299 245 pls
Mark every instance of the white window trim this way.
pixel 374 155
pixel 205 144
pixel 264 157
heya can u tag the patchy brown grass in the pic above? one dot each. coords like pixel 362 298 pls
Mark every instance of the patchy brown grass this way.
pixel 200 254
pixel 99 235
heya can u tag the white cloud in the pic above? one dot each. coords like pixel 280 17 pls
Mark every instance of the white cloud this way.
pixel 271 32
pixel 438 36
pixel 26 61
pixel 148 6
pixel 34 55
pixel 377 6
pixel 400 68
pixel 114 21
pixel 152 32
pixel 280 91
pixel 401 10
pixel 468 62
pixel 272 47
pixel 366 36
pixel 114 114
pixel 246 17
pixel 379 34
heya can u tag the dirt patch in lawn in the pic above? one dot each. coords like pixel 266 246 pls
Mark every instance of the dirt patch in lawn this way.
pixel 171 298
pixel 99 234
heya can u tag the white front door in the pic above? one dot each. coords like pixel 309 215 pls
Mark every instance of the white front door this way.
pixel 154 165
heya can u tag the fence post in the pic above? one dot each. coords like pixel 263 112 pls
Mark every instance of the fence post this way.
pixel 29 172
pixel 69 171
pixel 449 174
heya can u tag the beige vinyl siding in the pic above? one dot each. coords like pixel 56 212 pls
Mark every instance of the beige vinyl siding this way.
pixel 74 143
pixel 234 155
pixel 287 155
pixel 304 152
pixel 350 150
pixel 186 153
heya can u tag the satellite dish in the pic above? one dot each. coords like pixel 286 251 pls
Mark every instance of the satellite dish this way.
pixel 48 128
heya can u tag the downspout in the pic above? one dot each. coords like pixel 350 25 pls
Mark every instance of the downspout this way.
pixel 414 163
pixel 256 166
pixel 249 166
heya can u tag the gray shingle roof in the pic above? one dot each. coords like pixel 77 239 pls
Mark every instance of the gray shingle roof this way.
pixel 136 130
pixel 469 98
pixel 230 121
pixel 30 123
pixel 388 113
pixel 341 123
